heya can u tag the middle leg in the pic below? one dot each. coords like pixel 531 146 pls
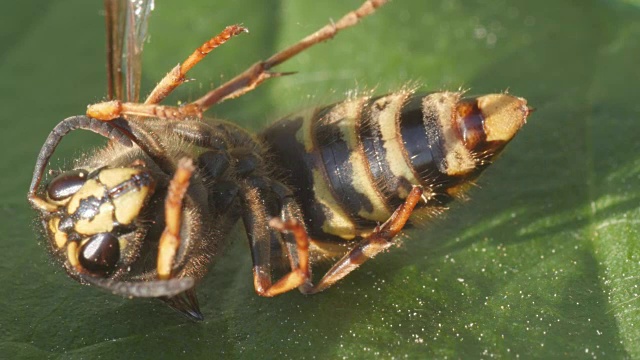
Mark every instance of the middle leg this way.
pixel 261 204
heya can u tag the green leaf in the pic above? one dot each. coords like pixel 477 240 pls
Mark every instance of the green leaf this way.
pixel 543 261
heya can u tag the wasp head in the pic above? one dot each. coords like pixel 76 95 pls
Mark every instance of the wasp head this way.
pixel 93 227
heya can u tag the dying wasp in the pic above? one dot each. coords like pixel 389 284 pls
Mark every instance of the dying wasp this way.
pixel 147 214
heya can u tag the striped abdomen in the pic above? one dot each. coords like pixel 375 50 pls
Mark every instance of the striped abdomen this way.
pixel 351 164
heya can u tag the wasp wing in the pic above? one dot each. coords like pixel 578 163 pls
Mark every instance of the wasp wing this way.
pixel 127 23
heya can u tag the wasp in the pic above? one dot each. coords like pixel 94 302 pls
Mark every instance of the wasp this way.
pixel 145 215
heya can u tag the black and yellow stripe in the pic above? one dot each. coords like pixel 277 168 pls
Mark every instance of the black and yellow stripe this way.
pixel 352 163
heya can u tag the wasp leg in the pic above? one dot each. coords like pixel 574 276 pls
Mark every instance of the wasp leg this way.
pixel 198 133
pixel 176 76
pixel 260 205
pixel 380 240
pixel 113 109
pixel 296 244
pixel 110 110
pixel 259 72
pixel 238 86
pixel 170 239
pixel 148 141
pixel 298 249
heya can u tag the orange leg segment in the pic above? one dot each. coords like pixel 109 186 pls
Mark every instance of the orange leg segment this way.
pixel 259 72
pixel 256 198
pixel 380 240
pixel 176 76
pixel 110 110
pixel 238 86
pixel 170 239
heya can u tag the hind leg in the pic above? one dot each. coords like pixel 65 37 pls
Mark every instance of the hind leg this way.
pixel 380 240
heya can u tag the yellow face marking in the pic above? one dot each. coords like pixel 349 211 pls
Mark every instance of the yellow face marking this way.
pixel 59 237
pixel 338 223
pixel 43 204
pixel 58 203
pixel 123 244
pixel 53 224
pixel 441 106
pixel 72 253
pixel 90 188
pixel 385 112
pixel 102 222
pixel 128 205
pixel 114 177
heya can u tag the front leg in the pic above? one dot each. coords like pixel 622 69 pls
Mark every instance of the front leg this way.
pixel 185 302
pixel 170 239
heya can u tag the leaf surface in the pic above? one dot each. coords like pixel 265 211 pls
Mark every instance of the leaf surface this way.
pixel 543 261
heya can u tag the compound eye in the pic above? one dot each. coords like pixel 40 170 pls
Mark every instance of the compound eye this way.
pixel 100 254
pixel 66 184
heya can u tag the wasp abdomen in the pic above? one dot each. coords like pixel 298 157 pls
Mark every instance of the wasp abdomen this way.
pixel 354 162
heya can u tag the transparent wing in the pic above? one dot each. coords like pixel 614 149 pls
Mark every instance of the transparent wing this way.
pixel 127 23
pixel 114 18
